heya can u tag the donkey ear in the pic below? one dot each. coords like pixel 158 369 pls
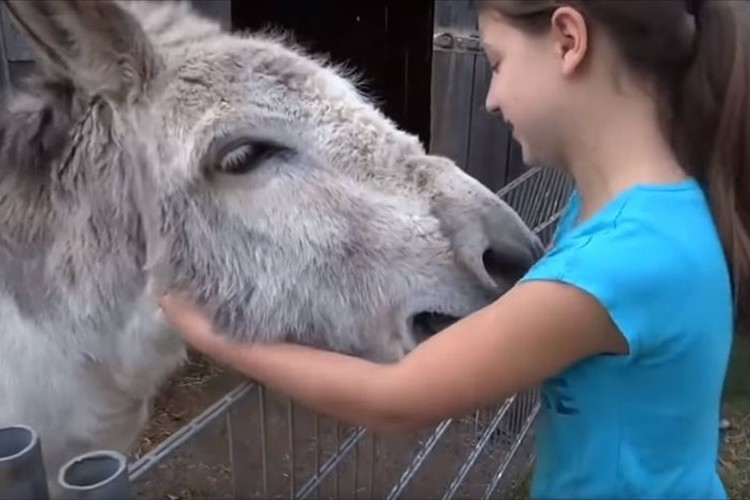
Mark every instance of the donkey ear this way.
pixel 96 45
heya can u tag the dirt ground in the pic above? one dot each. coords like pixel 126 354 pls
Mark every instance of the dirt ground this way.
pixel 186 394
pixel 202 468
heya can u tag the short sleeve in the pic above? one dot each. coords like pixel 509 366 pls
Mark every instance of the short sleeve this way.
pixel 629 270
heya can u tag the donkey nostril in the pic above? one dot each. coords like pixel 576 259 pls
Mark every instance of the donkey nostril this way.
pixel 506 266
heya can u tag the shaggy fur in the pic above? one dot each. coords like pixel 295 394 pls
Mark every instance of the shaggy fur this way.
pixel 116 179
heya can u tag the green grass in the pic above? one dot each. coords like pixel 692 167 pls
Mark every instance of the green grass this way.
pixel 735 453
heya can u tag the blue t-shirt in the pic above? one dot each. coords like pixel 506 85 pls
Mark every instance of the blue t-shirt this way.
pixel 644 425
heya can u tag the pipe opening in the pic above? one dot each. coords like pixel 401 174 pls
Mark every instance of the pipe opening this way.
pixel 91 470
pixel 15 441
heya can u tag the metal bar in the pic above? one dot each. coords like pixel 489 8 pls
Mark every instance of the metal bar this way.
pixel 263 438
pixel 6 84
pixel 331 463
pixel 450 40
pixel 318 451
pixel 96 475
pixel 422 454
pixel 476 421
pixel 356 471
pixel 521 179
pixel 22 472
pixel 514 449
pixel 242 444
pixel 337 471
pixel 169 445
pixel 233 452
pixel 472 458
pixel 292 464
pixel 544 225
pixel 371 485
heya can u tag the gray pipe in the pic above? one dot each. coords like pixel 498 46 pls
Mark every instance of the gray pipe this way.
pixel 97 475
pixel 22 474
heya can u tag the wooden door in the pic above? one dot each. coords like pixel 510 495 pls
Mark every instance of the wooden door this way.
pixel 461 128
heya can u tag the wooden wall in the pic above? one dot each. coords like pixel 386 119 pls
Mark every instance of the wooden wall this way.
pixel 462 129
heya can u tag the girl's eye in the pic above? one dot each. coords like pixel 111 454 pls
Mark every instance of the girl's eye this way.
pixel 244 157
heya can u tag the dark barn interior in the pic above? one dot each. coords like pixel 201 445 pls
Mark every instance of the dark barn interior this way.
pixel 388 41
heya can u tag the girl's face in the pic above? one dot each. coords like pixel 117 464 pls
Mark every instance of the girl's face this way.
pixel 527 86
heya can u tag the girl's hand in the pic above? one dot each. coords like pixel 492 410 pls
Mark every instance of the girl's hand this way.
pixel 195 328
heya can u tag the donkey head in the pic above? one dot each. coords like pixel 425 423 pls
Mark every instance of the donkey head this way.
pixel 266 186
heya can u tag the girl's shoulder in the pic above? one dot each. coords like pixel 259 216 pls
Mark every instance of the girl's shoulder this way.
pixel 672 223
pixel 641 254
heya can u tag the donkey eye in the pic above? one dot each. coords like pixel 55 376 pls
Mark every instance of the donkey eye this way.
pixel 242 158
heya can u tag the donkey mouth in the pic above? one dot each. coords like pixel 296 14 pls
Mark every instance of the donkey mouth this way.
pixel 428 323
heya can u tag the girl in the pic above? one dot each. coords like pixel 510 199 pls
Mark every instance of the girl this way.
pixel 627 321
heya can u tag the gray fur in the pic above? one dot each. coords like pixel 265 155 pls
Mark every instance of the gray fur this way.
pixel 109 190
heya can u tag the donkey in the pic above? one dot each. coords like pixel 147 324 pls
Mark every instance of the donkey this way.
pixel 152 151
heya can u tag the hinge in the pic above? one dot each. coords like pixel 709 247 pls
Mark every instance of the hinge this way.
pixel 453 41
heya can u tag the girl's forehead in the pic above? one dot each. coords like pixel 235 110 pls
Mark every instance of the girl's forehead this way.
pixel 495 32
pixel 489 18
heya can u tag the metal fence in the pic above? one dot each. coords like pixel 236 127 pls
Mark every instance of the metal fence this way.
pixel 256 444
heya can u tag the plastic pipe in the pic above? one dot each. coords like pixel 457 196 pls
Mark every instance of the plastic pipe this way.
pixel 22 473
pixel 96 475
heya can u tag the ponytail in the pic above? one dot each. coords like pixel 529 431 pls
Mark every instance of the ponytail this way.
pixel 711 129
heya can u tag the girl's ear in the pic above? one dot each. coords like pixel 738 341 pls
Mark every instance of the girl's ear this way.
pixel 570 35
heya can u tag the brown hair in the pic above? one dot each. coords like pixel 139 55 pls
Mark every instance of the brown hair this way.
pixel 698 55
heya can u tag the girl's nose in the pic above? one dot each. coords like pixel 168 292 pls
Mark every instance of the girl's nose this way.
pixel 492 104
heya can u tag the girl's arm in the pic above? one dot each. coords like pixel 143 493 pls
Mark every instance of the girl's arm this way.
pixel 534 331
